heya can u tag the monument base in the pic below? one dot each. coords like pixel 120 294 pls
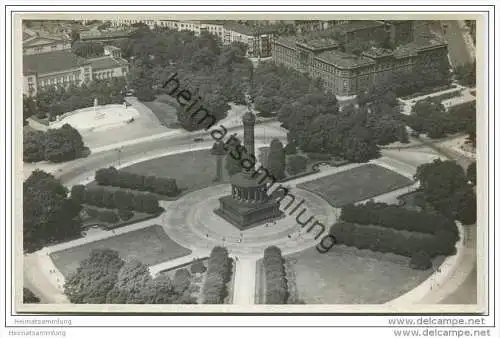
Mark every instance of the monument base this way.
pixel 245 215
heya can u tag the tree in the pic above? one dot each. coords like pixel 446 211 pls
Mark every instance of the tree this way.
pixel 33 146
pixel 471 173
pixel 132 281
pixel 276 159
pixel 63 144
pixel 94 278
pixel 296 164
pixel 359 147
pixel 29 107
pixel 466 74
pixel 48 213
pixel 440 179
pixel 445 186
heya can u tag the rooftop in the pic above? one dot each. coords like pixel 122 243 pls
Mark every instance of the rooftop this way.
pixel 106 62
pixel 319 43
pixel 288 41
pixel 376 53
pixel 344 60
pixel 247 30
pixel 355 25
pixel 51 62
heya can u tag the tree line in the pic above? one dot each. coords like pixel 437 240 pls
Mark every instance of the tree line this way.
pixel 122 179
pixel 105 278
pixel 57 100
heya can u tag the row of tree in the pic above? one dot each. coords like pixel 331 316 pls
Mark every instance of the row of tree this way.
pixel 119 199
pixel 397 218
pixel 382 239
pixel 276 282
pixel 57 100
pixel 55 145
pixel 105 278
pixel 218 275
pixel 446 187
pixel 118 178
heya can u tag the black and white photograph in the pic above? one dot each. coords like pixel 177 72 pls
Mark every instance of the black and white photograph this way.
pixel 207 163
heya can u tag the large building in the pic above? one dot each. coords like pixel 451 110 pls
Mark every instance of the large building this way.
pixel 63 68
pixel 258 39
pixel 345 73
pixel 38 45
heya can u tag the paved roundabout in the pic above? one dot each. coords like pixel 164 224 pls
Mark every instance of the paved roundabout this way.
pixel 191 222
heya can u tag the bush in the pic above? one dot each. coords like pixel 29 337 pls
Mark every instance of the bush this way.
pixel 198 267
pixel 101 197
pixel 159 185
pixel 218 274
pixel 389 240
pixel 397 217
pixel 276 284
pixel 296 164
pixel 125 214
pixel 420 261
pixel 108 216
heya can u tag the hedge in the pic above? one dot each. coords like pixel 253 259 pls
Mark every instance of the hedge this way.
pixel 276 283
pixel 388 240
pixel 103 198
pixel 218 274
pixel 122 179
pixel 397 217
pixel 296 164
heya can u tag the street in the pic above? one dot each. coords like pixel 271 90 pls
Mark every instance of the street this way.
pixel 457 47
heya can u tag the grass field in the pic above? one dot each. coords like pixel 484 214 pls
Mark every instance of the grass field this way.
pixel 347 275
pixel 192 170
pixel 149 245
pixel 356 184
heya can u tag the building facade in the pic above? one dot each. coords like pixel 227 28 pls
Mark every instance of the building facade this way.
pixel 40 45
pixel 346 74
pixel 63 68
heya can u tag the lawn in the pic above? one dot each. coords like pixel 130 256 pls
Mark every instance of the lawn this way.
pixel 356 184
pixel 346 275
pixel 192 170
pixel 164 111
pixel 149 245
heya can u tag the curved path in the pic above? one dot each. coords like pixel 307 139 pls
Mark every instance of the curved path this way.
pixel 197 208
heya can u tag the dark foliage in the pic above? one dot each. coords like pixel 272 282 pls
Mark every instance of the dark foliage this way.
pixel 218 274
pixel 48 214
pixel 388 240
pixel 276 283
pixel 29 296
pixel 95 277
pixel 296 164
pixel 444 185
pixel 158 185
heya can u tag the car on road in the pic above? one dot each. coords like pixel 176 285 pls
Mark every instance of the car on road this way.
pixel 198 139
